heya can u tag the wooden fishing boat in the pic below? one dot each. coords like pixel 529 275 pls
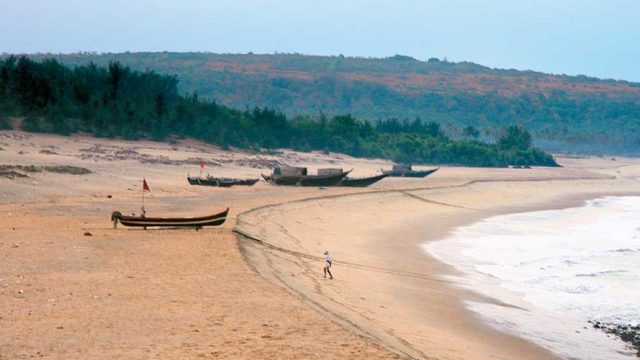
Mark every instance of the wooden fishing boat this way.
pixel 246 182
pixel 282 180
pixel 322 180
pixel 300 178
pixel 220 182
pixel 196 222
pixel 308 180
pixel 407 171
pixel 362 182
pixel 193 180
pixel 228 182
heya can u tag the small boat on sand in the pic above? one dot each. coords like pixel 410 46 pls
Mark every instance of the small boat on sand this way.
pixel 362 182
pixel 220 182
pixel 300 177
pixel 407 171
pixel 195 222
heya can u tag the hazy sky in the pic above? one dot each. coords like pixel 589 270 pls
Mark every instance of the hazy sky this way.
pixel 593 37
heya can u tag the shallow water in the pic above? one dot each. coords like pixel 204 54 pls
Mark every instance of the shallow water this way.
pixel 562 267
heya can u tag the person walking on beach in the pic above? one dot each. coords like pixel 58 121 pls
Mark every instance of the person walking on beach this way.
pixel 327 265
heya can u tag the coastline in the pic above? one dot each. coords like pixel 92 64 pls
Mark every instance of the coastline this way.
pixel 186 294
pixel 559 268
pixel 459 333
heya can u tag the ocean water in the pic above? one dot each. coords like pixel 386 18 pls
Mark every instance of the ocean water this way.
pixel 559 269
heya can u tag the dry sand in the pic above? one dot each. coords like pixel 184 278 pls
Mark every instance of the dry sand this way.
pixel 184 294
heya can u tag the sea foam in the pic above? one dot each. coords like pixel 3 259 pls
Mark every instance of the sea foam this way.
pixel 562 268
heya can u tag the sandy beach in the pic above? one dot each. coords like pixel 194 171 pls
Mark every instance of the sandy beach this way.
pixel 252 288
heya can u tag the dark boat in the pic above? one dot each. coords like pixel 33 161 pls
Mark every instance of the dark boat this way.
pixel 220 182
pixel 407 171
pixel 246 182
pixel 198 181
pixel 362 182
pixel 323 180
pixel 196 222
pixel 299 177
pixel 282 180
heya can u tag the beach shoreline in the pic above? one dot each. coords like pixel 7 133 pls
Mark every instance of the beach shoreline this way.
pixel 501 345
pixel 72 286
pixel 549 262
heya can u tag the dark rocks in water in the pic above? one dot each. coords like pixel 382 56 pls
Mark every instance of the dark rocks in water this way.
pixel 627 333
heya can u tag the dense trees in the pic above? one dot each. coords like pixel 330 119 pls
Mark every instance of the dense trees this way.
pixel 117 101
pixel 4 123
pixel 470 132
pixel 515 138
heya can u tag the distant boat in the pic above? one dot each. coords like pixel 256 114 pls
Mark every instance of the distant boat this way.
pixel 407 171
pixel 220 182
pixel 281 180
pixel 298 176
pixel 196 222
pixel 362 182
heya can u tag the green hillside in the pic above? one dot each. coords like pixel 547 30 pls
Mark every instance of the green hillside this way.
pixel 116 101
pixel 564 113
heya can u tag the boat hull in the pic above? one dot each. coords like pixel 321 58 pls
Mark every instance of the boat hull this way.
pixel 203 182
pixel 411 173
pixel 197 222
pixel 307 180
pixel 247 182
pixel 221 182
pixel 362 182
pixel 282 180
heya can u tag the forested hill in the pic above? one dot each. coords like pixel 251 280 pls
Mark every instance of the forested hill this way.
pixel 115 101
pixel 564 113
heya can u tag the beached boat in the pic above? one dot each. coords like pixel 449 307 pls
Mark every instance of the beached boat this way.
pixel 407 171
pixel 282 180
pixel 298 176
pixel 307 180
pixel 246 182
pixel 196 222
pixel 322 180
pixel 220 182
pixel 193 180
pixel 228 182
pixel 362 182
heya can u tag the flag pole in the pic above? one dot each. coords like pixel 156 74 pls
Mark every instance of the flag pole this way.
pixel 144 212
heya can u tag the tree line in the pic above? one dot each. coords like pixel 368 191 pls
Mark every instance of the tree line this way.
pixel 116 101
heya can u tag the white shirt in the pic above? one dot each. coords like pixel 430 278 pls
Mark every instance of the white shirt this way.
pixel 327 260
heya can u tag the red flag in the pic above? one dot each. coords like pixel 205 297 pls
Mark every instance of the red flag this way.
pixel 145 186
pixel 201 164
